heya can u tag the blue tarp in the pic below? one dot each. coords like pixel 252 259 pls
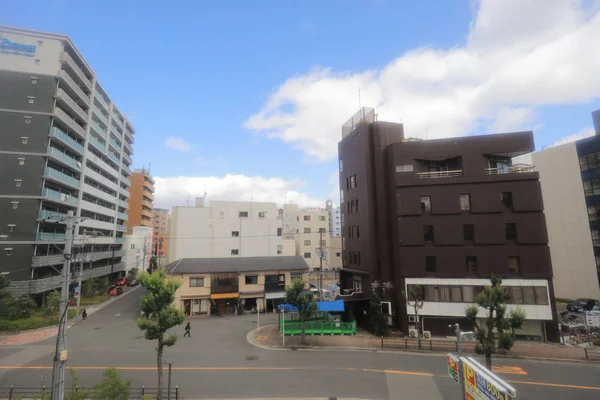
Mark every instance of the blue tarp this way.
pixel 324 306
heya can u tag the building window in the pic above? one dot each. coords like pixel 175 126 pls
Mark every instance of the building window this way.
pixel 307 255
pixel 279 230
pixel 251 279
pixel 507 200
pixel 595 237
pixel 21 161
pixel 196 282
pixel 37 61
pixel 341 165
pixel 593 212
pixel 221 214
pixel 24 139
pixel 27 119
pixel 279 249
pixel 430 266
pixel 30 99
pixel 306 230
pixel 428 233
pixel 472 265
pixel 261 214
pixel 338 254
pixel 34 80
pixel 514 265
pixel 404 168
pixel 235 233
pixel 510 231
pixel 500 165
pixel 351 182
pixel 588 161
pixel 235 252
pixel 541 295
pixel 307 217
pixel 425 203
pixel 15 205
pixel 18 182
pixel 592 187
pixel 515 294
pixel 465 202
pixel 341 196
pixel 243 214
pixel 307 242
pixel 11 227
pixel 357 284
pixel 469 232
pixel 8 251
pixel 321 218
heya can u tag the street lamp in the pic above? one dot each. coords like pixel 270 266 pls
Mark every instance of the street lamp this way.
pixel 170 362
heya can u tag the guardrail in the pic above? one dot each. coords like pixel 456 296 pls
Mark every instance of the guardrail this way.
pixel 439 174
pixel 426 344
pixel 13 393
pixel 509 170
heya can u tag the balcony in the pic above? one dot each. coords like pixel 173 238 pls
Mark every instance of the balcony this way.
pixel 70 123
pixel 101 163
pixel 126 157
pixel 66 139
pixel 44 261
pixel 148 195
pixel 66 58
pixel 98 113
pixel 116 117
pixel 98 128
pixel 125 181
pixel 510 170
pixel 71 86
pixel 126 169
pixel 63 158
pixel 50 237
pixel 56 216
pixel 102 100
pixel 121 228
pixel 96 208
pixel 439 174
pixel 71 105
pixel 128 146
pixel 120 240
pixel 96 224
pixel 57 176
pixel 116 145
pixel 147 204
pixel 114 157
pixel 100 146
pixel 129 135
pixel 100 179
pixel 122 216
pixel 123 203
pixel 98 193
pixel 124 191
pixel 61 198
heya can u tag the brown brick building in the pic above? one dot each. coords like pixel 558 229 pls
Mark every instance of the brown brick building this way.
pixel 141 197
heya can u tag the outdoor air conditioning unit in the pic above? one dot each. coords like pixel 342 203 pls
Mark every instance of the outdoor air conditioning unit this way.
pixel 427 334
pixel 412 333
pixel 412 319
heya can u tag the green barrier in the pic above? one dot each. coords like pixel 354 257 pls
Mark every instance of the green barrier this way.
pixel 319 328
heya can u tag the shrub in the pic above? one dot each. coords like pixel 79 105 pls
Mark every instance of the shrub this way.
pixel 113 386
pixel 15 308
pixel 53 302
pixel 27 323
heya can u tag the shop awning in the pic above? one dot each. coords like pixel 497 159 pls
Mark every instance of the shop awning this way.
pixel 324 306
pixel 275 295
pixel 220 296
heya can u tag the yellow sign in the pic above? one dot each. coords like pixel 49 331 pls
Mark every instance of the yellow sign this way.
pixel 220 296
pixel 479 386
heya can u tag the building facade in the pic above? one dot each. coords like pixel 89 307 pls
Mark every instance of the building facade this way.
pixel 65 147
pixel 137 248
pixel 335 222
pixel 224 229
pixel 141 199
pixel 216 286
pixel 445 214
pixel 160 222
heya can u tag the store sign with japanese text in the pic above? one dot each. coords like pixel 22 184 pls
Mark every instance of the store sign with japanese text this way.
pixel 481 384
pixel 453 363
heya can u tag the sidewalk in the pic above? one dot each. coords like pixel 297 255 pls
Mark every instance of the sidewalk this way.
pixel 269 338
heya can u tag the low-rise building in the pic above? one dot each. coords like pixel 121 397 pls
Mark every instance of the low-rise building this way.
pixel 217 285
pixel 160 222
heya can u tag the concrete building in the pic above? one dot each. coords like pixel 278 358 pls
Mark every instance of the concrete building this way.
pixel 217 285
pixel 570 179
pixel 137 248
pixel 141 198
pixel 335 222
pixel 65 147
pixel 334 253
pixel 160 222
pixel 309 227
pixel 445 214
pixel 224 229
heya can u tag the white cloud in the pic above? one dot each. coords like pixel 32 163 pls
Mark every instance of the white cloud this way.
pixel 177 143
pixel 519 54
pixel 174 191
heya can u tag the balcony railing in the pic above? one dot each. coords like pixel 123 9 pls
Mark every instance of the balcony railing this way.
pixel 56 216
pixel 120 240
pixel 116 145
pixel 114 157
pixel 49 237
pixel 61 177
pixel 100 115
pixel 101 100
pixel 439 174
pixel 99 128
pixel 66 139
pixel 62 197
pixel 69 122
pixel 99 144
pixel 71 104
pixel 64 158
pixel 74 87
pixel 510 170
pixel 125 180
pixel 122 216
pixel 66 57
pixel 122 203
pixel 121 228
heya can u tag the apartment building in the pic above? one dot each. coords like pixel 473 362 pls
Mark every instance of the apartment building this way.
pixel 137 248
pixel 160 221
pixel 211 286
pixel 65 147
pixel 141 198
pixel 224 229
pixel 335 222
pixel 570 180
pixel 445 214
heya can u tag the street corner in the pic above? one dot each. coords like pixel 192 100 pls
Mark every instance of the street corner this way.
pixel 28 337
pixel 267 337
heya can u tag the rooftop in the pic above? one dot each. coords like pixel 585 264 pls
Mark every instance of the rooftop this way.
pixel 236 264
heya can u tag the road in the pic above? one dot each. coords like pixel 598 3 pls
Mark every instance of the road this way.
pixel 218 362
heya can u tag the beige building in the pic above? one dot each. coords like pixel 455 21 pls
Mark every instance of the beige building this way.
pixel 334 252
pixel 160 222
pixel 219 285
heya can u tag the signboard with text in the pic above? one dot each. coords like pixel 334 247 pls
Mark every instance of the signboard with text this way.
pixel 453 363
pixel 592 318
pixel 481 384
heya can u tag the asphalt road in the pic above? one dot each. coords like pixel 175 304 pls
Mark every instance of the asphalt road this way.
pixel 218 362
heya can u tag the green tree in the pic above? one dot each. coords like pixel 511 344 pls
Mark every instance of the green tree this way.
pixel 296 296
pixel 112 386
pixel 132 274
pixel 153 263
pixel 79 394
pixel 159 315
pixel 93 286
pixel 415 300
pixel 53 302
pixel 4 283
pixel 379 321
pixel 497 334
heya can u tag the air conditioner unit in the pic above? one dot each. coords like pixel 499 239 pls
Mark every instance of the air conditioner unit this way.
pixel 427 334
pixel 412 318
pixel 412 333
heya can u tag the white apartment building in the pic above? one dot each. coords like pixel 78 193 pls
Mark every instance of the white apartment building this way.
pixel 65 147
pixel 335 220
pixel 138 248
pixel 224 229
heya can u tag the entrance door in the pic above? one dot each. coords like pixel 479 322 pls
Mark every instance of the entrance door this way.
pixel 221 307
pixel 196 307
pixel 186 307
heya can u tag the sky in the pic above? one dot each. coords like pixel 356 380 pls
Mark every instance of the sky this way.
pixel 244 100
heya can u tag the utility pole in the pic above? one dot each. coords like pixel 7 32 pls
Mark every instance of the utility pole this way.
pixel 321 297
pixel 79 282
pixel 144 261
pixel 60 353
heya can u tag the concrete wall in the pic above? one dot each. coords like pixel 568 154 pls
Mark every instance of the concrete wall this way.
pixel 567 222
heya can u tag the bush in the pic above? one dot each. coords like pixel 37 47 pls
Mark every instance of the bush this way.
pixel 90 301
pixel 16 308
pixel 93 286
pixel 27 323
pixel 53 302
pixel 113 386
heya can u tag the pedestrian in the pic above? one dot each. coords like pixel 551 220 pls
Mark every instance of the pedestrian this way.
pixel 84 314
pixel 187 330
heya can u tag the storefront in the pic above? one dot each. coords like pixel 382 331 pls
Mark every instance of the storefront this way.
pixel 274 299
pixel 223 303
pixel 250 301
pixel 196 306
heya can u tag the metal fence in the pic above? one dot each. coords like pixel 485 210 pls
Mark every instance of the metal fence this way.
pixel 426 344
pixel 592 354
pixel 319 328
pixel 365 115
pixel 44 393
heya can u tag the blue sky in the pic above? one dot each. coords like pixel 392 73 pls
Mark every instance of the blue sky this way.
pixel 202 72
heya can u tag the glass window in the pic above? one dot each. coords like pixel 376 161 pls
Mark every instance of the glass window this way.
pixel 432 293
pixel 261 214
pixel 507 199
pixel 456 294
pixel 307 217
pixel 428 233
pixel 243 214
pixel 307 242
pixel 425 203
pixel 516 295
pixel 465 202
pixel 468 232
pixel 279 230
pixel 513 265
pixel 588 161
pixel 471 265
pixel 510 231
pixel 235 252
pixel 341 165
pixel 430 264
pixel 307 255
pixel 467 293
pixel 235 233
pixel 306 230
pixel 592 187
pixel 595 237
pixel 196 282
pixel 321 218
pixel 445 293
pixel 541 295
pixel 528 295
pixel 279 249
pixel 296 275
pixel 251 279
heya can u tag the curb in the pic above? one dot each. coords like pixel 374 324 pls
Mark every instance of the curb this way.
pixel 250 338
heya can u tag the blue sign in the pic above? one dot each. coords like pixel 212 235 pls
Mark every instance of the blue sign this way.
pixel 17 49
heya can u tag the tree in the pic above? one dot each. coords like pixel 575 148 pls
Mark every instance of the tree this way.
pixel 53 302
pixel 415 300
pixel 296 296
pixel 132 273
pixel 113 386
pixel 153 263
pixel 159 315
pixel 493 299
pixel 93 286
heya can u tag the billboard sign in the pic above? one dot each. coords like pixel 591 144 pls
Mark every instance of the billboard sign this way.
pixel 453 363
pixel 592 318
pixel 481 384
pixel 18 49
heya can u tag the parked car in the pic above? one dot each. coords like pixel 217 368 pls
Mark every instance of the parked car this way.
pixel 581 305
pixel 115 291
pixel 133 282
pixel 122 282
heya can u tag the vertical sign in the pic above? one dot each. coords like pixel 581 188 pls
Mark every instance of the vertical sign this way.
pixel 453 363
pixel 481 384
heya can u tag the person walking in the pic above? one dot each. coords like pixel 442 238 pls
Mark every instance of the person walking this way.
pixel 84 314
pixel 187 330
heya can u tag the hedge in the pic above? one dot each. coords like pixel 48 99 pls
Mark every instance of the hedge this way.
pixel 34 322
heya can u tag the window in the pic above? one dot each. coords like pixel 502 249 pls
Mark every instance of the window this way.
pixel 321 218
pixel 444 293
pixel 595 237
pixel 235 233
pixel 8 251
pixel 196 282
pixel 322 230
pixel 307 255
pixel 307 217
pixel 279 249
pixel 221 214
pixel 425 203
pixel 338 254
pixel 24 139
pixel 11 227
pixel 432 293
pixel 306 230
pixel 18 182
pixel 404 168
pixel 351 182
pixel 235 252
pixel 341 165
pixel 513 265
pixel 357 284
pixel 251 279
pixel 243 214
pixel 356 206
pixel 467 293
pixel 428 233
pixel 592 187
pixel 469 232
pixel 261 214
pixel 593 212
pixel 21 161
pixel 34 80
pixel 510 231
pixel 528 295
pixel 37 61
pixel 472 265
pixel 465 202
pixel 27 119
pixel 516 294
pixel 430 264
pixel 30 99
pixel 307 242
pixel 357 232
pixel 279 231
pixel 541 295
pixel 506 198
pixel 500 165
pixel 588 161
pixel 15 205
